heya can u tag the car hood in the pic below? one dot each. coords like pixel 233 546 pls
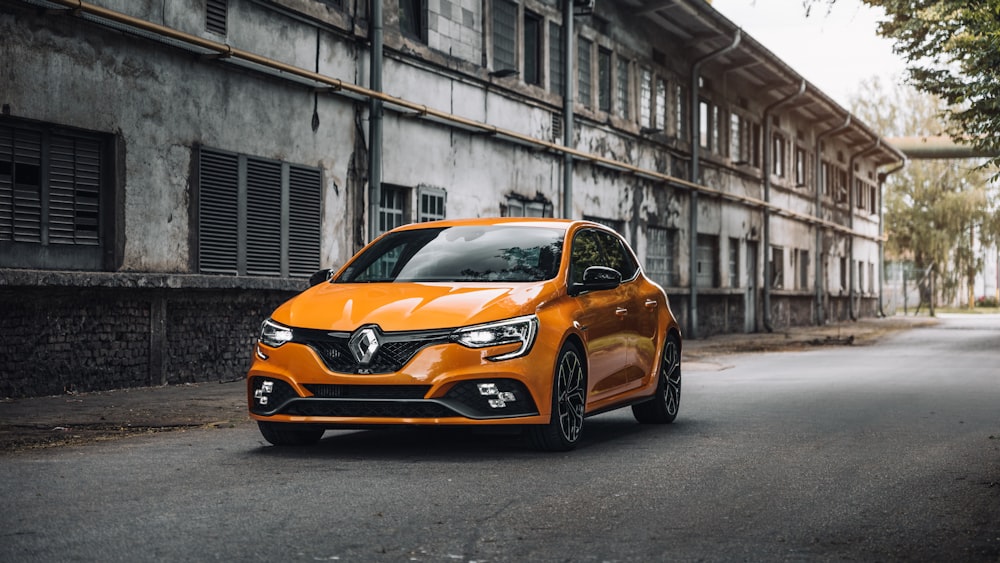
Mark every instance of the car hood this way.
pixel 410 306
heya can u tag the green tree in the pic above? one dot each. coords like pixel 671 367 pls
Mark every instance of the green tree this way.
pixel 931 206
pixel 953 52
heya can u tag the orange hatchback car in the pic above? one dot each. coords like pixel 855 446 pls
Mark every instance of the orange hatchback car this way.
pixel 537 323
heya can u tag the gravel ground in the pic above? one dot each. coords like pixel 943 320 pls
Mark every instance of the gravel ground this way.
pixel 108 415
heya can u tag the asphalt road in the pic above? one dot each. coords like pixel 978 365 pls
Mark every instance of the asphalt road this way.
pixel 883 452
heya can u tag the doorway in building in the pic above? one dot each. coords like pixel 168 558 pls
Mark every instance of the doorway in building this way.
pixel 750 312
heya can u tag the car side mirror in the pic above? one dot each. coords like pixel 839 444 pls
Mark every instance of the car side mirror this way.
pixel 597 278
pixel 321 276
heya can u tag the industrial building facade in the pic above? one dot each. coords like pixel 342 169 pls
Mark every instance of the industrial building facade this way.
pixel 170 171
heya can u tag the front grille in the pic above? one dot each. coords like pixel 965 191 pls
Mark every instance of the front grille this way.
pixel 368 409
pixel 395 351
pixel 329 391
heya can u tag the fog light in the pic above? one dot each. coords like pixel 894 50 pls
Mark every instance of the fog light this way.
pixel 497 403
pixel 507 396
pixel 261 393
pixel 488 389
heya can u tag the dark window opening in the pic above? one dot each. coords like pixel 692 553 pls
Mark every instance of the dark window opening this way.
pixel 532 48
pixel 413 19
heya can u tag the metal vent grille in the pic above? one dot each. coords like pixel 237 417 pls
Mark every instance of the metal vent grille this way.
pixel 305 203
pixel 74 191
pixel 216 13
pixel 263 218
pixel 218 208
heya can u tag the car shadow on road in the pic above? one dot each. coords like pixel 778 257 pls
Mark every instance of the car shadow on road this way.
pixel 603 436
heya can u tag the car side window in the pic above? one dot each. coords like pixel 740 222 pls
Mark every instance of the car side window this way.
pixel 586 253
pixel 617 257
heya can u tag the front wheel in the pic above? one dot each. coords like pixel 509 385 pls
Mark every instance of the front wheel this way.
pixel 569 393
pixel 662 409
pixel 289 434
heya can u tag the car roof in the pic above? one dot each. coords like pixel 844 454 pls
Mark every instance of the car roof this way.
pixel 561 224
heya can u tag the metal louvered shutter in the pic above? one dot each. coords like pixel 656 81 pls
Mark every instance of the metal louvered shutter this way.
pixel 218 212
pixel 304 220
pixel 6 184
pixel 263 218
pixel 27 186
pixel 74 191
pixel 216 13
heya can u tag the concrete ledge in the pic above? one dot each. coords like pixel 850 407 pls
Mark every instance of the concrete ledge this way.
pixel 12 278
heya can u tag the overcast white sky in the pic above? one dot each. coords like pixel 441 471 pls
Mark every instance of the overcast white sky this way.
pixel 834 48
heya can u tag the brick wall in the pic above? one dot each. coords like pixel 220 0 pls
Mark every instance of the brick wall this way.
pixel 59 340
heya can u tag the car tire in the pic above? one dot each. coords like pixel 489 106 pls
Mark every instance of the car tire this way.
pixel 666 401
pixel 569 396
pixel 287 434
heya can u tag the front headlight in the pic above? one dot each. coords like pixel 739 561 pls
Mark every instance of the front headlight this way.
pixel 274 334
pixel 519 330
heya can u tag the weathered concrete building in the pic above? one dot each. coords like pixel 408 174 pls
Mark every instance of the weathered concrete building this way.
pixel 172 170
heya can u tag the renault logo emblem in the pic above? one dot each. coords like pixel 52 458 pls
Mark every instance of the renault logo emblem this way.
pixel 364 344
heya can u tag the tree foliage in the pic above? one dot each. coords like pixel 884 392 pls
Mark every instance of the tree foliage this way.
pixel 953 52
pixel 931 206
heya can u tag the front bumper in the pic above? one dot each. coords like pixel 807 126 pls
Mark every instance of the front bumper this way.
pixel 442 384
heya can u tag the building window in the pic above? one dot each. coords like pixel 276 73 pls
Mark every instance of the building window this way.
pixel 843 273
pixel 660 106
pixel 707 258
pixel 556 82
pixel 622 93
pixel 825 178
pixel 216 14
pixel 55 192
pixel 840 191
pixel 646 102
pixel 604 79
pixel 584 72
pixel 718 130
pixel 661 252
pixel 777 155
pixel 873 200
pixel 801 265
pixel 522 207
pixel 704 125
pixel 393 207
pixel 680 111
pixel 532 49
pixel 734 262
pixel 413 19
pixel 431 206
pixel 871 277
pixel 257 217
pixel 861 276
pixel 504 35
pixel 800 167
pixel 777 267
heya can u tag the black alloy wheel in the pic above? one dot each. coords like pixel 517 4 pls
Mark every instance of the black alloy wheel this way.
pixel 666 402
pixel 569 393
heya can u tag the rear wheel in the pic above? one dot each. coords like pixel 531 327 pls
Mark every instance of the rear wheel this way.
pixel 288 434
pixel 569 393
pixel 662 409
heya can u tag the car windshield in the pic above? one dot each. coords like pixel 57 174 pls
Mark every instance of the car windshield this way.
pixel 501 253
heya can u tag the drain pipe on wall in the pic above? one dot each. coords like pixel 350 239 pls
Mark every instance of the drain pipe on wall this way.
pixel 766 165
pixel 881 232
pixel 851 189
pixel 692 329
pixel 568 101
pixel 820 272
pixel 375 123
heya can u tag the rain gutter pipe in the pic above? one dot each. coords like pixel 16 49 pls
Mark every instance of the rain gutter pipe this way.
pixel 851 195
pixel 767 199
pixel 375 123
pixel 820 283
pixel 326 84
pixel 881 233
pixel 567 109
pixel 692 331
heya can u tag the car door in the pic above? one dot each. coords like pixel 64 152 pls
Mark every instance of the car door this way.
pixel 600 318
pixel 638 310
